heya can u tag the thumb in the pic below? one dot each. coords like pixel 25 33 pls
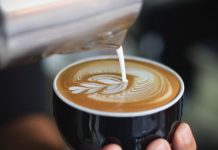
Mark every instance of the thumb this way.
pixel 112 147
pixel 159 144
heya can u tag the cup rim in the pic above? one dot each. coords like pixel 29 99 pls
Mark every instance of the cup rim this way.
pixel 120 114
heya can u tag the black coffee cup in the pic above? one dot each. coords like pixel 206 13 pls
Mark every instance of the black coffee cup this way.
pixel 85 129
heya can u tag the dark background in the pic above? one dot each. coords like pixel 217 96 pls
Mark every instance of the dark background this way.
pixel 182 34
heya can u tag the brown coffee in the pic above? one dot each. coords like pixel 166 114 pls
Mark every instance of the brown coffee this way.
pixel 96 84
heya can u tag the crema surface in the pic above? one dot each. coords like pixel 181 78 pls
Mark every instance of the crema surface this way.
pixel 98 85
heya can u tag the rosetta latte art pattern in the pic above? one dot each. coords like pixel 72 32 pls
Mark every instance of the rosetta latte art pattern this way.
pixel 105 84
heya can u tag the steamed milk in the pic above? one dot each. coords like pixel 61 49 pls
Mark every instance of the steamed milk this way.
pixel 122 63
pixel 97 84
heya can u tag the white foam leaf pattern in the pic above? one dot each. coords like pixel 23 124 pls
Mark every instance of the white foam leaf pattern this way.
pixel 94 90
pixel 106 79
pixel 77 89
pixel 106 85
pixel 112 87
pixel 109 81
pixel 91 85
pixel 115 88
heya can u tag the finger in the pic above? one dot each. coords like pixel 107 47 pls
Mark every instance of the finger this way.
pixel 112 147
pixel 159 144
pixel 183 138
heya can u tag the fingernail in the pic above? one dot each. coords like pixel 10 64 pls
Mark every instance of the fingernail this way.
pixel 160 146
pixel 112 147
pixel 186 135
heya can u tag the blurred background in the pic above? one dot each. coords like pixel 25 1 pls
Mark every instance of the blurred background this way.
pixel 182 34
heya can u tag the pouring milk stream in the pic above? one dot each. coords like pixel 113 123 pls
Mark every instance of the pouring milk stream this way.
pixel 122 63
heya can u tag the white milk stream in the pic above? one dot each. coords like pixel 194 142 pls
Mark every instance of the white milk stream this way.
pixel 122 63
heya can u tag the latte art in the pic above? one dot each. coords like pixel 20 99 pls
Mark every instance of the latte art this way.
pixel 110 88
pixel 106 84
pixel 98 85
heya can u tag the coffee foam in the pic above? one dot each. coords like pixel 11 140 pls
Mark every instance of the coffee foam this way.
pixel 98 85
